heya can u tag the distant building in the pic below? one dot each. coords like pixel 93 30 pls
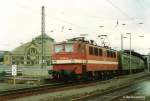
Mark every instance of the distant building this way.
pixel 30 53
pixel 1 57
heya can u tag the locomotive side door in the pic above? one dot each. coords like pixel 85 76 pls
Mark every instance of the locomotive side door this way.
pixel 82 52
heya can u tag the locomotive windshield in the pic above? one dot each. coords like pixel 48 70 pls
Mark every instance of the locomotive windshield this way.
pixel 58 48
pixel 68 47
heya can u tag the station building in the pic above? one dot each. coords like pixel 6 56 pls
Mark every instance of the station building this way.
pixel 1 57
pixel 29 55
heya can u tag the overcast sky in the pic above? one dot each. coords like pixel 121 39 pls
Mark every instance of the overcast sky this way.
pixel 20 21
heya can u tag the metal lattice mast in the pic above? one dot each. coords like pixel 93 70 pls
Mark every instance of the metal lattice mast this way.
pixel 42 32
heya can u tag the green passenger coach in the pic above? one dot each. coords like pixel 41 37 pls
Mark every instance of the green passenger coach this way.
pixel 137 61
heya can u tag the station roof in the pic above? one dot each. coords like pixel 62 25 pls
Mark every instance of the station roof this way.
pixel 45 36
pixel 37 42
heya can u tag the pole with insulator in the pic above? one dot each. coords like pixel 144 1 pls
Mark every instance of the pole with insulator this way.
pixel 42 32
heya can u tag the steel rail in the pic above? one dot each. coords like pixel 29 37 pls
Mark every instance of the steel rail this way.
pixel 48 88
pixel 112 92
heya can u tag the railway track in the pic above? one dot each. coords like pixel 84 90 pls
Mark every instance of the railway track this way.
pixel 114 93
pixel 48 88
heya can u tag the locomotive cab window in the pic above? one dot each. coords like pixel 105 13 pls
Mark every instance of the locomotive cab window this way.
pixel 68 47
pixel 58 48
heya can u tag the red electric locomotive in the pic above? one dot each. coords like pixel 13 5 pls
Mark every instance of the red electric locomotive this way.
pixel 78 58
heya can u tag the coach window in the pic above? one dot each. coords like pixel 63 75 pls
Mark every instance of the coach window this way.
pixel 91 50
pixel 69 47
pixel 96 51
pixel 100 52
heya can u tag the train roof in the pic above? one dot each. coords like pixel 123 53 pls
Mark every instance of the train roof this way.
pixel 83 40
pixel 134 53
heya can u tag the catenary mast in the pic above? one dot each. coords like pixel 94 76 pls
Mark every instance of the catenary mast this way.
pixel 42 32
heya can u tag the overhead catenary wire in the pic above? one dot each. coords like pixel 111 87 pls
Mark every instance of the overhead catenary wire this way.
pixel 63 21
pixel 125 14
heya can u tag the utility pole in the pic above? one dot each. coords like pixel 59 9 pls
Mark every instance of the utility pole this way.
pixel 130 54
pixel 122 50
pixel 122 37
pixel 42 32
pixel 121 42
pixel 148 60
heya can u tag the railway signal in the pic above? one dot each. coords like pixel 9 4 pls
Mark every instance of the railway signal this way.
pixel 14 73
